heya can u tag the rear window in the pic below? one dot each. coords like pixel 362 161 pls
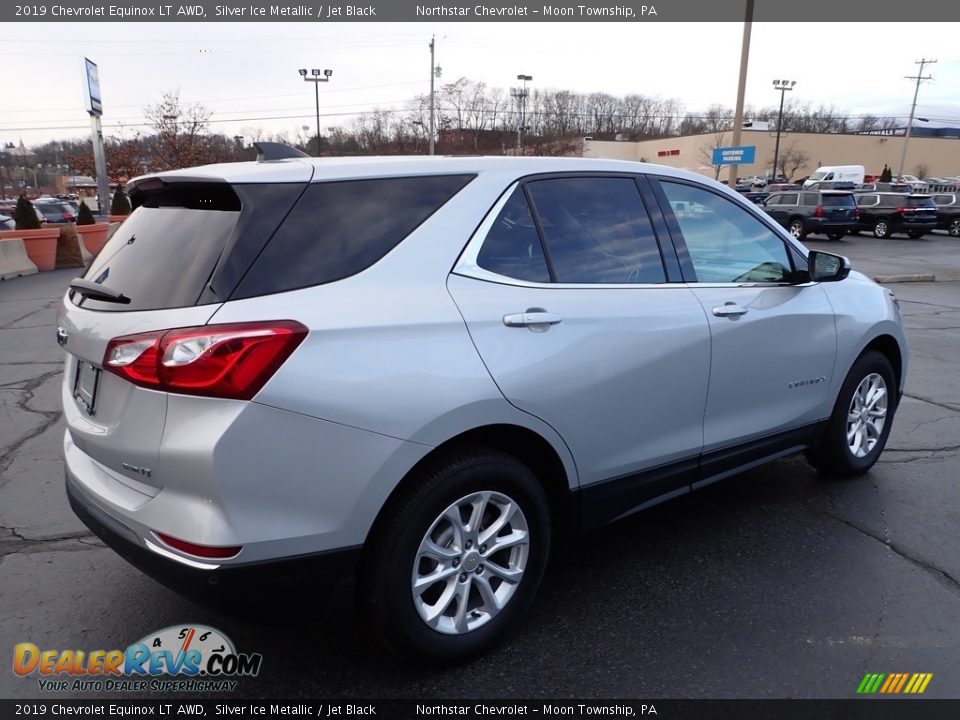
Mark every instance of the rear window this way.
pixel 338 229
pixel 160 257
pixel 920 202
pixel 837 201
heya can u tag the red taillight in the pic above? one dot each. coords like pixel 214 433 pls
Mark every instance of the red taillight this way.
pixel 903 209
pixel 819 211
pixel 856 212
pixel 204 551
pixel 68 217
pixel 225 361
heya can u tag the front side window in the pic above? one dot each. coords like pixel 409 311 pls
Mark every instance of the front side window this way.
pixel 726 243
pixel 512 247
pixel 596 230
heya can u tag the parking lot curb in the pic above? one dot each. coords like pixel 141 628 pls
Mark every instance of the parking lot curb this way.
pixel 904 278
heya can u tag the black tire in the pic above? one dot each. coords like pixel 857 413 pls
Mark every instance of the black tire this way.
pixel 386 591
pixel 797 228
pixel 953 229
pixel 915 234
pixel 832 455
pixel 835 236
pixel 881 229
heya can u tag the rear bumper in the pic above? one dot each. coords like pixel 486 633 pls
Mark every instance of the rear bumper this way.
pixel 327 577
pixel 824 225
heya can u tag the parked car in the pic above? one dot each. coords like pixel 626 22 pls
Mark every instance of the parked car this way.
pixel 948 212
pixel 398 393
pixel 7 223
pixel 780 187
pixel 887 213
pixel 914 182
pixel 56 212
pixel 827 212
pixel 884 187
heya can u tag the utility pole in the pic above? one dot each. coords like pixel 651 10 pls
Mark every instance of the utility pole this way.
pixel 741 87
pixel 435 71
pixel 782 86
pixel 913 108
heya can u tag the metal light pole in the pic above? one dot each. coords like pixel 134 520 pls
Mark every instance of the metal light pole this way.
pixel 913 108
pixel 520 94
pixel 435 71
pixel 316 77
pixel 741 88
pixel 782 86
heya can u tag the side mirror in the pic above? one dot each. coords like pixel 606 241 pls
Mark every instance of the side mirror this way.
pixel 827 267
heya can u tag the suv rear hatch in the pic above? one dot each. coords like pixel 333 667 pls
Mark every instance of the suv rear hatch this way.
pixel 918 209
pixel 171 264
pixel 838 205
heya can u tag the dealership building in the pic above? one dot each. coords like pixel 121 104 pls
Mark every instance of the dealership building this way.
pixel 936 150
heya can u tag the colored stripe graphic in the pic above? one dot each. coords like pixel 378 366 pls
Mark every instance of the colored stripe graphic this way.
pixel 903 681
pixel 894 683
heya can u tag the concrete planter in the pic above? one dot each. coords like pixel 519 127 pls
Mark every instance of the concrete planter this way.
pixel 41 244
pixel 94 236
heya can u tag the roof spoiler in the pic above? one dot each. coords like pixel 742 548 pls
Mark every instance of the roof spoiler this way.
pixel 267 151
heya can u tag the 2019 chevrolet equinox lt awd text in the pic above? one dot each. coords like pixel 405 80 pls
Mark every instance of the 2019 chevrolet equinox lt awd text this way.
pixel 417 372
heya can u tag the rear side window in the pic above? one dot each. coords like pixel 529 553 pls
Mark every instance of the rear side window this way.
pixel 789 199
pixel 867 200
pixel 943 199
pixel 338 229
pixel 837 201
pixel 512 247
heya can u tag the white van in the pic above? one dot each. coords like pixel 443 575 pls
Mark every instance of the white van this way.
pixel 836 173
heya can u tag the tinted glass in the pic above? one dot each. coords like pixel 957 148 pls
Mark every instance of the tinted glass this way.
pixel 338 229
pixel 512 247
pixel 809 198
pixel 726 243
pixel 772 201
pixel 160 257
pixel 943 199
pixel 866 200
pixel 789 199
pixel 925 202
pixel 837 201
pixel 597 230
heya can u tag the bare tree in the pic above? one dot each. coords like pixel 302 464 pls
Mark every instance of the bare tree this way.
pixel 921 171
pixel 790 160
pixel 706 153
pixel 182 137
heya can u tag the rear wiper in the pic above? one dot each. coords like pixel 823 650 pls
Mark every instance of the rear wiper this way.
pixel 98 292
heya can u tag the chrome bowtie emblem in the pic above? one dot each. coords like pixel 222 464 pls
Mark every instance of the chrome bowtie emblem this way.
pixel 62 336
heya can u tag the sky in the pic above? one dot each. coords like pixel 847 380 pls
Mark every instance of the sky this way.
pixel 246 73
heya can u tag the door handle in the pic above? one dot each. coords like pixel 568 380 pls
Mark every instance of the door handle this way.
pixel 538 317
pixel 730 309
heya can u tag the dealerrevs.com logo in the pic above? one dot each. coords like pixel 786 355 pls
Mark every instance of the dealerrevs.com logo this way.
pixel 180 658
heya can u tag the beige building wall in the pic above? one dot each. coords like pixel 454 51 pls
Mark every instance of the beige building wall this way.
pixel 940 155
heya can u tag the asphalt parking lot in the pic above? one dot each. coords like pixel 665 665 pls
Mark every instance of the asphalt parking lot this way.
pixel 776 583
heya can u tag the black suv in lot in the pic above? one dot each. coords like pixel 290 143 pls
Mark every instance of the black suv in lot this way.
pixel 830 212
pixel 888 213
pixel 948 212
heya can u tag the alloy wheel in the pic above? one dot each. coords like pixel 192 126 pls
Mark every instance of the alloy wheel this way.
pixel 867 415
pixel 470 562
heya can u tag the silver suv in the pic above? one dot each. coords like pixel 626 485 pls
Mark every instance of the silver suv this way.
pixel 417 372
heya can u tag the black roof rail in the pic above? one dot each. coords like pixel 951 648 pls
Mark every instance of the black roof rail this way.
pixel 276 151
